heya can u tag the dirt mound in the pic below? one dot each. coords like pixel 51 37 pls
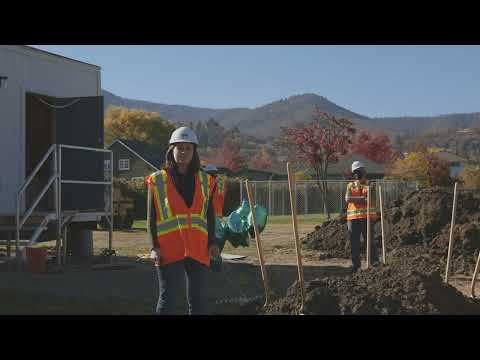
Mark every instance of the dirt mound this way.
pixel 331 238
pixel 409 285
pixel 421 218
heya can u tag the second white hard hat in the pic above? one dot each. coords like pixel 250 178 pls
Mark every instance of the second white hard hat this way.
pixel 357 165
pixel 183 134
pixel 210 168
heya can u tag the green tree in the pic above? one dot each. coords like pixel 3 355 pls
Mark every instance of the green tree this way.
pixel 302 175
pixel 470 176
pixel 215 133
pixel 411 167
pixel 138 125
pixel 202 134
pixel 262 157
pixel 421 166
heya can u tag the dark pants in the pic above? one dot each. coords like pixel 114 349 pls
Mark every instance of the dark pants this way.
pixel 356 228
pixel 174 278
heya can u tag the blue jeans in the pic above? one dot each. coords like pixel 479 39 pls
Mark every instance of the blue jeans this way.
pixel 174 278
pixel 356 228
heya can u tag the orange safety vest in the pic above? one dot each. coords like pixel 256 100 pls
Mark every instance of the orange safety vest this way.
pixel 181 231
pixel 359 211
pixel 219 196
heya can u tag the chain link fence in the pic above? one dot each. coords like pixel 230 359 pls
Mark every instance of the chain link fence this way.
pixel 275 195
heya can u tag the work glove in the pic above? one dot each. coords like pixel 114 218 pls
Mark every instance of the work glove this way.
pixel 216 264
pixel 155 255
pixel 214 250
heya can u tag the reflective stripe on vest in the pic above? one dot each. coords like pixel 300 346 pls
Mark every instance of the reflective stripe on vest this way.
pixel 181 222
pixel 205 185
pixel 220 184
pixel 160 193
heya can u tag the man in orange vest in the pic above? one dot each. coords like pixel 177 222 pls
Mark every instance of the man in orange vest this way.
pixel 357 213
pixel 182 225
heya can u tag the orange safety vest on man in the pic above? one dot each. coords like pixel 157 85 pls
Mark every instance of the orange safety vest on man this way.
pixel 359 211
pixel 181 231
pixel 219 196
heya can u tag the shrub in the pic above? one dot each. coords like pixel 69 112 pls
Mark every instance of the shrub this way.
pixel 422 166
pixel 470 176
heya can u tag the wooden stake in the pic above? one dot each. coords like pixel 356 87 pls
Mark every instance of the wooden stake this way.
pixel 382 223
pixel 259 243
pixel 474 277
pixel 450 242
pixel 369 245
pixel 293 203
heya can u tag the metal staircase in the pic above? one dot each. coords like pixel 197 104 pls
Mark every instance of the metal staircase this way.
pixel 31 225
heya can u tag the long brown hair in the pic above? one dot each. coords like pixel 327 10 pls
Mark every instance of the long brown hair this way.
pixel 170 162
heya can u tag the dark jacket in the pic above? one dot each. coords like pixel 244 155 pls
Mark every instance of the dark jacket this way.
pixel 185 185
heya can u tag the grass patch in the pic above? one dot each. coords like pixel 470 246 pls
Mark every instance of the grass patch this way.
pixel 140 224
pixel 311 219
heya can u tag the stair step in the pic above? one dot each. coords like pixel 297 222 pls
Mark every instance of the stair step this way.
pixel 34 219
pixel 14 228
pixel 30 221
pixel 12 242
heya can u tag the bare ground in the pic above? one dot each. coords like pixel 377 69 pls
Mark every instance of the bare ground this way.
pixel 132 288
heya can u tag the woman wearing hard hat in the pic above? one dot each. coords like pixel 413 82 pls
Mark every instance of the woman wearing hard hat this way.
pixel 182 225
pixel 357 212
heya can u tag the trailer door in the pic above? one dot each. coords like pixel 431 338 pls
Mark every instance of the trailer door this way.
pixel 39 136
pixel 79 122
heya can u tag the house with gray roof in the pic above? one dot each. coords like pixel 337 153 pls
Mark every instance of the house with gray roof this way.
pixel 134 159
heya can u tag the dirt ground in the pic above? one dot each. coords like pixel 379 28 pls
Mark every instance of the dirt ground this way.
pixel 131 287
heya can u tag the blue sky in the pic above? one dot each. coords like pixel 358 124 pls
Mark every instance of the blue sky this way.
pixel 421 80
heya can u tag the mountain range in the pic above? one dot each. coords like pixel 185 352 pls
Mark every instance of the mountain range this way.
pixel 265 121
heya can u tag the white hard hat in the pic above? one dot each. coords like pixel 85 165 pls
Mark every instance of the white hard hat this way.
pixel 357 165
pixel 210 168
pixel 183 134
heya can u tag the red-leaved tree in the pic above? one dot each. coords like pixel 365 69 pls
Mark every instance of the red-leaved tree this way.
pixel 373 146
pixel 321 143
pixel 232 156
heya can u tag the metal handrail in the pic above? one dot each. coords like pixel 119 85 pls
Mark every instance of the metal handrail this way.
pixel 84 148
pixel 22 188
pixel 19 223
pixel 38 199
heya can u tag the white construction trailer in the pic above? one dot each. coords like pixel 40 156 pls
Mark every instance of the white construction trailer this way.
pixel 52 178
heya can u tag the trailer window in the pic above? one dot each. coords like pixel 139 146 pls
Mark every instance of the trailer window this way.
pixel 106 164
pixel 124 164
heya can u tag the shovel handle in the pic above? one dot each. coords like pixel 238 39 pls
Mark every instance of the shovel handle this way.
pixel 258 242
